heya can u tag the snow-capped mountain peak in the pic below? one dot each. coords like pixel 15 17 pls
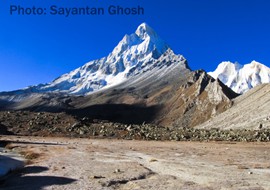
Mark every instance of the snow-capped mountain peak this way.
pixel 225 70
pixel 144 31
pixel 152 39
pixel 144 41
pixel 241 78
pixel 135 54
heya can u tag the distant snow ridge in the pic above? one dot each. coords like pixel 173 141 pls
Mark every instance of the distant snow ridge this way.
pixel 241 78
pixel 134 54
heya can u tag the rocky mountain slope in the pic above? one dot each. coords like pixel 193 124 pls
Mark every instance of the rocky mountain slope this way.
pixel 141 81
pixel 249 111
pixel 241 78
pixel 135 53
pixel 175 101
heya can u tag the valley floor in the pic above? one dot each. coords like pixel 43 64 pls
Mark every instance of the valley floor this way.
pixel 65 163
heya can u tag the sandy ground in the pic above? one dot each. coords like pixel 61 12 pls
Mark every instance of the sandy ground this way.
pixel 63 163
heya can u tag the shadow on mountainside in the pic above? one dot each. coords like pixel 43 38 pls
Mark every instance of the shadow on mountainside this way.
pixel 5 105
pixel 121 113
pixel 18 180
pixel 4 130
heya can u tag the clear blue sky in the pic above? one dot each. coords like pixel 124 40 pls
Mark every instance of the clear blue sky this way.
pixel 37 49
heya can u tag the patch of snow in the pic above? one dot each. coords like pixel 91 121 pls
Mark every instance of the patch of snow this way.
pixel 9 161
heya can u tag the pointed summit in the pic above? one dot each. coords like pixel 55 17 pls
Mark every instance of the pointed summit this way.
pixel 151 39
pixel 144 31
pixel 144 41
pixel 136 54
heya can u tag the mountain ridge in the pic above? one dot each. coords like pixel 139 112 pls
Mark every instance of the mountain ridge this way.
pixel 142 80
pixel 134 54
pixel 241 78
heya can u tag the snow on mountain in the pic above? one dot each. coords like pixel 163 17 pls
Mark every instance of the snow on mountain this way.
pixel 241 78
pixel 134 54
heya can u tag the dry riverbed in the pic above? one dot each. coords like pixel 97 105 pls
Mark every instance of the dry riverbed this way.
pixel 65 163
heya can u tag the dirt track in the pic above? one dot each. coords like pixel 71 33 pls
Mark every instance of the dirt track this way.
pixel 63 163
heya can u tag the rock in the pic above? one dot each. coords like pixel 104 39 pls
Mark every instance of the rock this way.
pixel 97 177
pixel 153 160
pixel 75 125
pixel 85 119
pixel 81 132
pixel 117 171
pixel 129 128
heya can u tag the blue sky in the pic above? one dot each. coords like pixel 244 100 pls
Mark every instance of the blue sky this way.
pixel 37 49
